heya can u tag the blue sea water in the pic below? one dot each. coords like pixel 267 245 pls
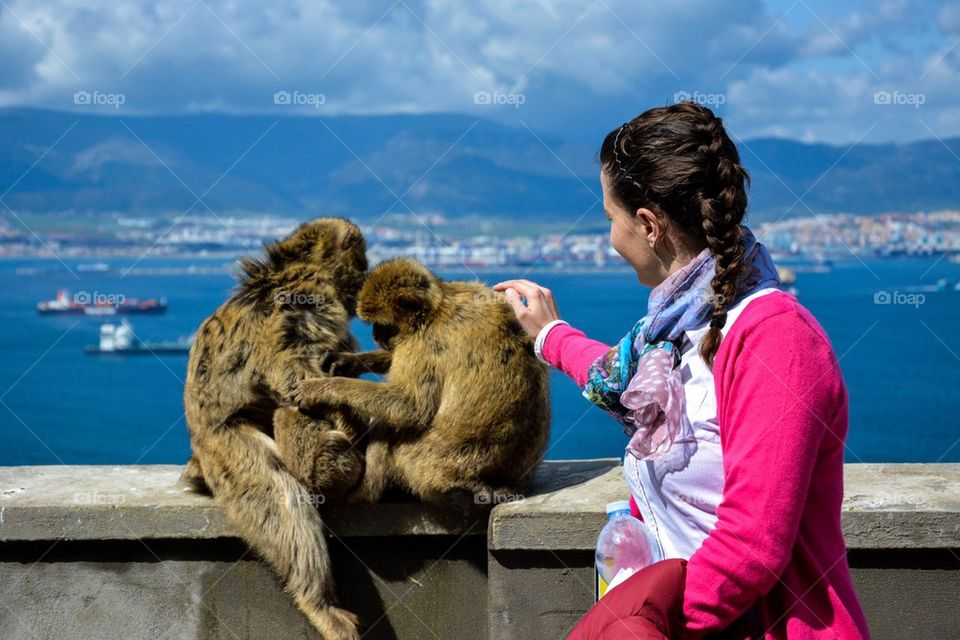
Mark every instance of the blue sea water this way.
pixel 59 405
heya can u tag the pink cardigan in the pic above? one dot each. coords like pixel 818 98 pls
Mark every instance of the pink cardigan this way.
pixel 782 410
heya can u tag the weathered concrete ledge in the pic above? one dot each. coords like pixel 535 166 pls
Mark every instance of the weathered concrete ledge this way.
pixel 149 502
pixel 117 551
pixel 886 506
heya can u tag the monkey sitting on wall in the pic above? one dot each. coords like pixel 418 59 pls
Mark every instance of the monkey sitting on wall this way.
pixel 465 406
pixel 264 462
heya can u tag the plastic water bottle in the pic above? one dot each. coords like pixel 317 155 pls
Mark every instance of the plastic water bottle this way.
pixel 624 547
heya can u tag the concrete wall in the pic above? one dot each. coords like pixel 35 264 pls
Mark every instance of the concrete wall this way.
pixel 125 552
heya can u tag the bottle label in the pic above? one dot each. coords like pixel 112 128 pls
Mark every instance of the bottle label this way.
pixel 601 586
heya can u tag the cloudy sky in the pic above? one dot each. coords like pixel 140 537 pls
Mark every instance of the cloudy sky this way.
pixel 836 71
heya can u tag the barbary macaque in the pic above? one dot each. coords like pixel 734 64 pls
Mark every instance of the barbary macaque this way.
pixel 465 406
pixel 264 461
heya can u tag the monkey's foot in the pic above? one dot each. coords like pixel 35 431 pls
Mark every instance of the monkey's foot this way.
pixel 333 623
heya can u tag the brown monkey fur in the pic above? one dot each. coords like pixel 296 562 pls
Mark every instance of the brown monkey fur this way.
pixel 465 407
pixel 264 462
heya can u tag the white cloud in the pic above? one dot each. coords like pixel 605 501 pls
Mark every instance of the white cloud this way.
pixel 582 66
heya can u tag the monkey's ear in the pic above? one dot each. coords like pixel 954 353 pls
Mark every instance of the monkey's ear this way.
pixel 346 238
pixel 408 300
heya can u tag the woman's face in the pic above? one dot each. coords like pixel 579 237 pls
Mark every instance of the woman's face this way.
pixel 633 235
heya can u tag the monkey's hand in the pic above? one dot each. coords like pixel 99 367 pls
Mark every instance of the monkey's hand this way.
pixel 317 391
pixel 352 364
pixel 340 363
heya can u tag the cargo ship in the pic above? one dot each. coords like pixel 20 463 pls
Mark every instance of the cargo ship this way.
pixel 100 305
pixel 120 339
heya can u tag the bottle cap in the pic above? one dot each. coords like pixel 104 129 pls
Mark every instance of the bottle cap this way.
pixel 619 505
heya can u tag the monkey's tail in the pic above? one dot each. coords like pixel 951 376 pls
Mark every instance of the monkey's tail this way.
pixel 277 517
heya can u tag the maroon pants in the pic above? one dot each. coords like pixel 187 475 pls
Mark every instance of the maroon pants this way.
pixel 646 606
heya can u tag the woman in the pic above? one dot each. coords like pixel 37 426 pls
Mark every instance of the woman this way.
pixel 728 388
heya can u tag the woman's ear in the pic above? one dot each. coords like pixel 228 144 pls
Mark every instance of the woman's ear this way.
pixel 649 225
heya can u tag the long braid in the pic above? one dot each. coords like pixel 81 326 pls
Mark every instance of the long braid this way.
pixel 722 215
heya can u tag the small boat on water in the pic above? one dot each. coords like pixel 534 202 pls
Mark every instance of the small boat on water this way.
pixel 788 280
pixel 787 275
pixel 944 284
pixel 120 339
pixel 96 304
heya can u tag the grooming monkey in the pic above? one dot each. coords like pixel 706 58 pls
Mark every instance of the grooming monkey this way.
pixel 465 407
pixel 262 460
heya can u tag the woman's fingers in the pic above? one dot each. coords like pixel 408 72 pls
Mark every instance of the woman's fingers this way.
pixel 532 291
pixel 523 286
pixel 540 308
pixel 513 299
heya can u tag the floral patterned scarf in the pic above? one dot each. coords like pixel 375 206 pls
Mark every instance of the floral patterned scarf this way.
pixel 638 381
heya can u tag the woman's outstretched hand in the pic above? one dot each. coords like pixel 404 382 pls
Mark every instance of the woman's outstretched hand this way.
pixel 540 308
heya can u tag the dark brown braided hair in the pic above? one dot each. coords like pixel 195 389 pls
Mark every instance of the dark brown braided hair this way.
pixel 679 162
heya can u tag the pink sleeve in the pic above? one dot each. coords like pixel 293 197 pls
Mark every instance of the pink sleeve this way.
pixel 572 352
pixel 778 385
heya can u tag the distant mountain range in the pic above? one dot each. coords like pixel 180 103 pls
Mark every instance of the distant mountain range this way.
pixel 455 165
